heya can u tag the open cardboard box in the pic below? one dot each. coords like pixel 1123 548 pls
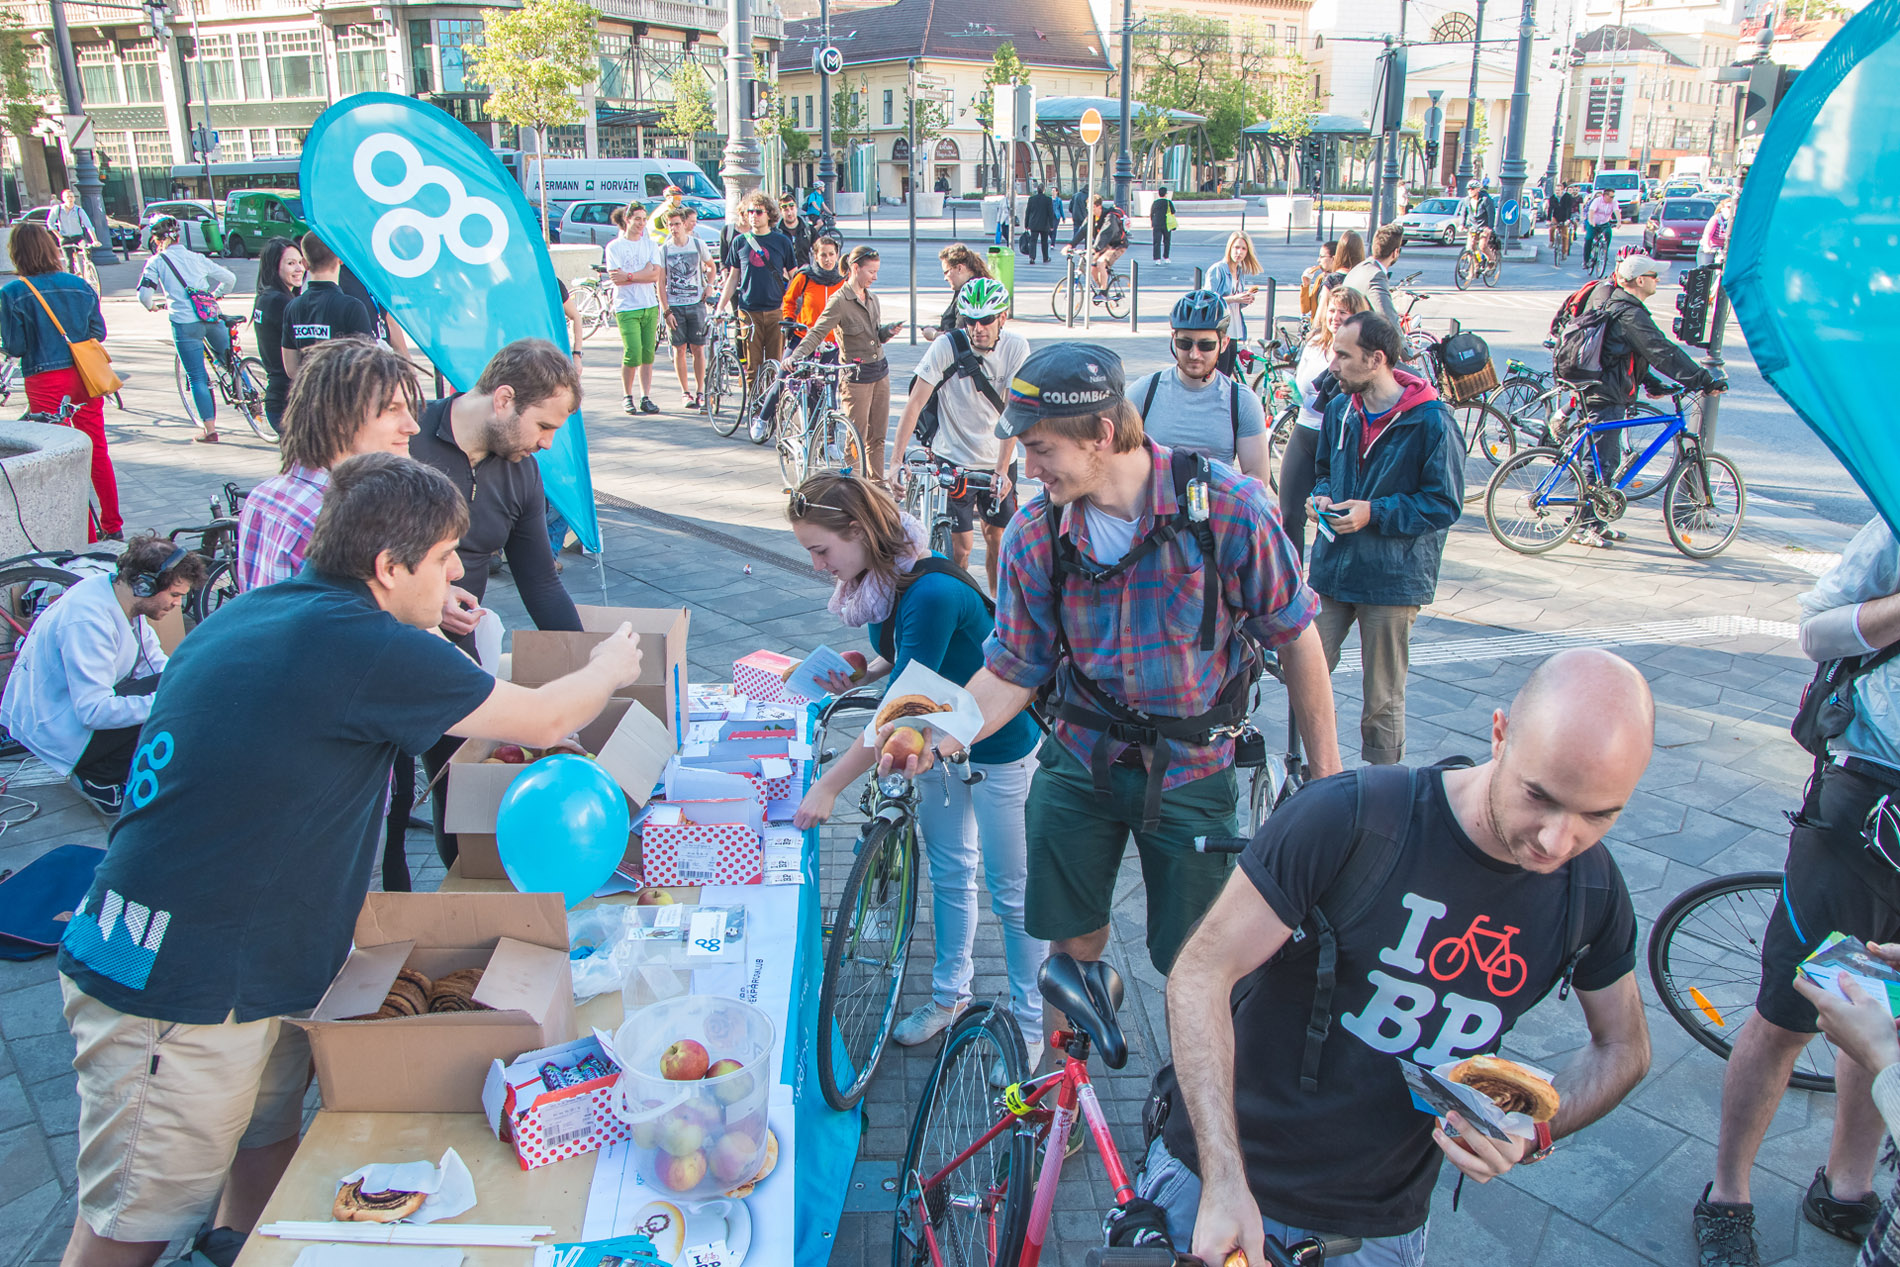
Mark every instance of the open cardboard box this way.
pixel 629 742
pixel 541 656
pixel 437 1063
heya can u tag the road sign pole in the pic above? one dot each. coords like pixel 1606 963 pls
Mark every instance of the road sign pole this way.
pixel 910 160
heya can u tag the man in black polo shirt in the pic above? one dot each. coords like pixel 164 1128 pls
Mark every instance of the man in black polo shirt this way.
pixel 479 439
pixel 323 311
pixel 230 890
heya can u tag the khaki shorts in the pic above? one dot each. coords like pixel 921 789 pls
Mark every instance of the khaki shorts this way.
pixel 164 1107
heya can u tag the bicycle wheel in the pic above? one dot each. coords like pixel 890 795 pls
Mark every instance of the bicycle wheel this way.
pixel 600 313
pixel 834 446
pixel 793 441
pixel 1488 439
pixel 720 379
pixel 1115 296
pixel 192 415
pixel 9 374
pixel 1272 783
pixel 1492 270
pixel 1060 302
pixel 1277 440
pixel 25 592
pixel 1705 962
pixel 940 537
pixel 247 392
pixel 1515 395
pixel 864 961
pixel 978 1211
pixel 1462 270
pixel 1703 509
pixel 220 587
pixel 768 375
pixel 1531 502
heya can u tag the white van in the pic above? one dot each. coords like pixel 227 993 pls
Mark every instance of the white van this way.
pixel 624 179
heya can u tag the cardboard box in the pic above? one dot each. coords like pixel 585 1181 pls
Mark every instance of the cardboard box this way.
pixel 548 1126
pixel 437 1063
pixel 540 656
pixel 689 853
pixel 761 676
pixel 629 743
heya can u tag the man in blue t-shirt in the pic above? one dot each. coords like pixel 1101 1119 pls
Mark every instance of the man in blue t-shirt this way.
pixel 758 264
pixel 230 888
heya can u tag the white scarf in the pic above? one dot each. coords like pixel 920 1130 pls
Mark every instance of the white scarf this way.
pixel 871 596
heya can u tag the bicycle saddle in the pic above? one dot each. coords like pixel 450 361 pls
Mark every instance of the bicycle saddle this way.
pixel 1088 994
pixel 231 320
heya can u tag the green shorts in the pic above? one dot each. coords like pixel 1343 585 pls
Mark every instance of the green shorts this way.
pixel 1077 839
pixel 639 334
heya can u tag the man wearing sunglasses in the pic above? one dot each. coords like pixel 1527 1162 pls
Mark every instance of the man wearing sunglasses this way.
pixel 966 373
pixel 1196 407
pixel 758 260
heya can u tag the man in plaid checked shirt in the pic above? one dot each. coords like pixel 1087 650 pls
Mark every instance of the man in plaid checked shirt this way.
pixel 352 397
pixel 1144 687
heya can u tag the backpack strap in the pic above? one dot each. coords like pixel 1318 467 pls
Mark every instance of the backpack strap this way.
pixel 930 563
pixel 1233 413
pixel 1576 926
pixel 966 360
pixel 1148 398
pixel 1190 469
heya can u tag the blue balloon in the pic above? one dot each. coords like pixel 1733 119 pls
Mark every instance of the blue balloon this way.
pixel 562 828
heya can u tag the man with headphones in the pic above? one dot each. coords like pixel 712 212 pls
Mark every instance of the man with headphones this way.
pixel 82 684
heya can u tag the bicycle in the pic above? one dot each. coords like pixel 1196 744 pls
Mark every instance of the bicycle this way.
pixel 1705 962
pixel 29 584
pixel 810 442
pixel 9 375
pixel 931 483
pixel 1484 433
pixel 79 262
pixel 237 378
pixel 1596 255
pixel 1458 953
pixel 725 370
pixel 1113 297
pixel 595 301
pixel 1276 775
pixel 867 942
pixel 1534 502
pixel 217 546
pixel 1548 420
pixel 964 1188
pixel 1482 263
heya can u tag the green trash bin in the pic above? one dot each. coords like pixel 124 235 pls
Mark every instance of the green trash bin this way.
pixel 214 237
pixel 1003 269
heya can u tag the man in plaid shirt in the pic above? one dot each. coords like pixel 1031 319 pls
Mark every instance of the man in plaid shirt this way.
pixel 352 397
pixel 1110 607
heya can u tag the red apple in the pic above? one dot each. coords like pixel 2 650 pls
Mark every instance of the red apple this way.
pixel 682 1173
pixel 735 1158
pixel 684 1061
pixel 859 665
pixel 511 754
pixel 734 1090
pixel 653 897
pixel 906 742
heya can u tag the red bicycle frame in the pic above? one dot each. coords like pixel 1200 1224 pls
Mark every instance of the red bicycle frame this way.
pixel 1027 1103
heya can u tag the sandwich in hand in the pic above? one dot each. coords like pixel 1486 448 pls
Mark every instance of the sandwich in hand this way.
pixel 353 1205
pixel 1509 1085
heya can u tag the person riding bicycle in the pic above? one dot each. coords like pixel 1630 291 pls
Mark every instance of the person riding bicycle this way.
pixel 965 374
pixel 1396 918
pixel 1135 589
pixel 918 608
pixel 1562 208
pixel 1599 220
pixel 74 227
pixel 1110 235
pixel 1193 406
pixel 1633 346
pixel 188 285
pixel 1475 219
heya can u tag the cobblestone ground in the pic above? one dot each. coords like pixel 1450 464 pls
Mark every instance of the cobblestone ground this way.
pixel 686 514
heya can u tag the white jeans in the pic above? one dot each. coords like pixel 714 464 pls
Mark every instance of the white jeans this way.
pixel 992 811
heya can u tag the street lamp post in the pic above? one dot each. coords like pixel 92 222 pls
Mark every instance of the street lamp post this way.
pixel 1467 143
pixel 1511 172
pixel 827 168
pixel 1557 123
pixel 741 168
pixel 85 171
pixel 1124 162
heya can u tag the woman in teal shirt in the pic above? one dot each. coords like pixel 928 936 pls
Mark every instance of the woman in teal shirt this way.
pixel 857 536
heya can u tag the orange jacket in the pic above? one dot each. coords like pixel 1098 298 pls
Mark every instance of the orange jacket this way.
pixel 806 298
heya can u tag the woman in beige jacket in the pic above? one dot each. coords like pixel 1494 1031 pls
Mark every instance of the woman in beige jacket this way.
pixel 855 314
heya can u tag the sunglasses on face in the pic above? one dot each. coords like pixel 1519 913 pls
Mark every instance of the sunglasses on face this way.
pixel 982 321
pixel 1205 345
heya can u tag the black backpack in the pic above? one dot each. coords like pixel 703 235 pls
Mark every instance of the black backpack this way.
pixel 1827 702
pixel 887 629
pixel 1578 357
pixel 1464 353
pixel 1233 403
pixel 966 361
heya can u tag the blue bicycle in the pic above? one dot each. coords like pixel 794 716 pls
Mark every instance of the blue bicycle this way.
pixel 1533 503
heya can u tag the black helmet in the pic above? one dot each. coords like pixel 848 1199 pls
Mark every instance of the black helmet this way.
pixel 1199 310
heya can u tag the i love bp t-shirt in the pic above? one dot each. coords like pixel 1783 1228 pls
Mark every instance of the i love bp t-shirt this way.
pixel 1456 948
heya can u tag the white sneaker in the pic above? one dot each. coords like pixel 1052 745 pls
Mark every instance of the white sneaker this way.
pixel 925 1024
pixel 999 1076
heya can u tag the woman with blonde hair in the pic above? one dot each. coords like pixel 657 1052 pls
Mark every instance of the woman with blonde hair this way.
pixel 919 607
pixel 1317 386
pixel 855 314
pixel 1228 279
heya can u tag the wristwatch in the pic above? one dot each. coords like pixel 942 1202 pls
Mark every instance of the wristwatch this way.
pixel 1545 1145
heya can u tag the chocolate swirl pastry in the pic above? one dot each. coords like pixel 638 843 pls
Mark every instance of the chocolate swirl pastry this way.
pixel 909 706
pixel 455 992
pixel 1510 1086
pixel 353 1205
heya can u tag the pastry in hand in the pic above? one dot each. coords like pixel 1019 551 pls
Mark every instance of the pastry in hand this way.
pixel 1510 1086
pixel 908 706
pixel 353 1205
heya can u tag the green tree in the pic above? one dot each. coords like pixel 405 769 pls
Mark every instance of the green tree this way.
pixel 534 61
pixel 1206 67
pixel 797 143
pixel 1291 103
pixel 20 110
pixel 850 117
pixel 691 110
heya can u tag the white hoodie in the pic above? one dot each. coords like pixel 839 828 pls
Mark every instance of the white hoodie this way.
pixel 61 689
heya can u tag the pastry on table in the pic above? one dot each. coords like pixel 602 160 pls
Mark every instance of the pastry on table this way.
pixel 353 1205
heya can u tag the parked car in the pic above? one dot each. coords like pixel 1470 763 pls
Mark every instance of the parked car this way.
pixel 194 216
pixel 1676 227
pixel 591 220
pixel 1681 189
pixel 1434 220
pixel 253 217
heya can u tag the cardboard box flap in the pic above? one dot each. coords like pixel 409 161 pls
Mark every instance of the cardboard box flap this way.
pixel 540 656
pixel 665 621
pixel 364 981
pixel 635 755
pixel 469 921
pixel 524 978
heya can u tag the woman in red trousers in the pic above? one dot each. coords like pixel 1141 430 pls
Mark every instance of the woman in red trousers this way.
pixel 33 311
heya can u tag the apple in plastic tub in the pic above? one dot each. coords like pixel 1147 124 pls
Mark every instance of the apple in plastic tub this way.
pixel 719 1118
pixel 684 1061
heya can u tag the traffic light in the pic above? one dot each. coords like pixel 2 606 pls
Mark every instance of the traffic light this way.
pixel 1768 82
pixel 1692 325
pixel 1431 154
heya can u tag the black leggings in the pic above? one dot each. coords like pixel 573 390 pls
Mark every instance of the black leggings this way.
pixel 107 760
pixel 1296 484
pixel 396 827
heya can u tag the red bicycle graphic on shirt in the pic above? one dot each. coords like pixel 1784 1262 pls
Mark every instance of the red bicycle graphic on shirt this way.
pixel 1505 972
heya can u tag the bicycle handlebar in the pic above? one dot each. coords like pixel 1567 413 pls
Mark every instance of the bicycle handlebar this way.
pixel 1221 844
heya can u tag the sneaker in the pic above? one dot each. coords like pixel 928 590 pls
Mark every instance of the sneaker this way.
pixel 647 406
pixel 631 407
pixel 1593 536
pixel 925 1024
pixel 999 1076
pixel 1725 1234
pixel 1849 1220
pixel 756 428
pixel 1611 534
pixel 107 798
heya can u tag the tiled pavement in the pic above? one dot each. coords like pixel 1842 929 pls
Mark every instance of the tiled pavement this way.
pixel 691 513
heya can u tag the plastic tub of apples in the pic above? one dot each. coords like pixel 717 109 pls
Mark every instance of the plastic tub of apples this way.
pixel 695 1082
